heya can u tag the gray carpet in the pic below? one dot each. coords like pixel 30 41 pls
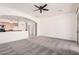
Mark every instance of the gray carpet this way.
pixel 28 47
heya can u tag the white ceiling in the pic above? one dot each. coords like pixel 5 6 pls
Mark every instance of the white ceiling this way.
pixel 54 8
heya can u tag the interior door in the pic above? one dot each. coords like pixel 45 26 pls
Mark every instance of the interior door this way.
pixel 32 29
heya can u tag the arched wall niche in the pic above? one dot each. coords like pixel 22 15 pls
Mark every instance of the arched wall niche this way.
pixel 31 25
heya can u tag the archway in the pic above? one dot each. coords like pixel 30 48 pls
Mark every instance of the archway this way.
pixel 30 24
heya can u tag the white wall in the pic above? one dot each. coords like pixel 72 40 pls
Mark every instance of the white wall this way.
pixel 61 26
pixel 12 36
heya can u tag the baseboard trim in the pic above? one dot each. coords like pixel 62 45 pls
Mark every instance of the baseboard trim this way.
pixel 57 38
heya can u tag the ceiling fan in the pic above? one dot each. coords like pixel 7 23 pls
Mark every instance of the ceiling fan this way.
pixel 41 8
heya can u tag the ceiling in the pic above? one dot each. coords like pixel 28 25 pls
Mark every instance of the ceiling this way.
pixel 54 8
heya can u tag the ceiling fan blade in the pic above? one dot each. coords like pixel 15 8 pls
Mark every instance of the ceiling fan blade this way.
pixel 40 11
pixel 46 9
pixel 36 6
pixel 44 6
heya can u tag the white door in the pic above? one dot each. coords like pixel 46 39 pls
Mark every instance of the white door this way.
pixel 32 29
